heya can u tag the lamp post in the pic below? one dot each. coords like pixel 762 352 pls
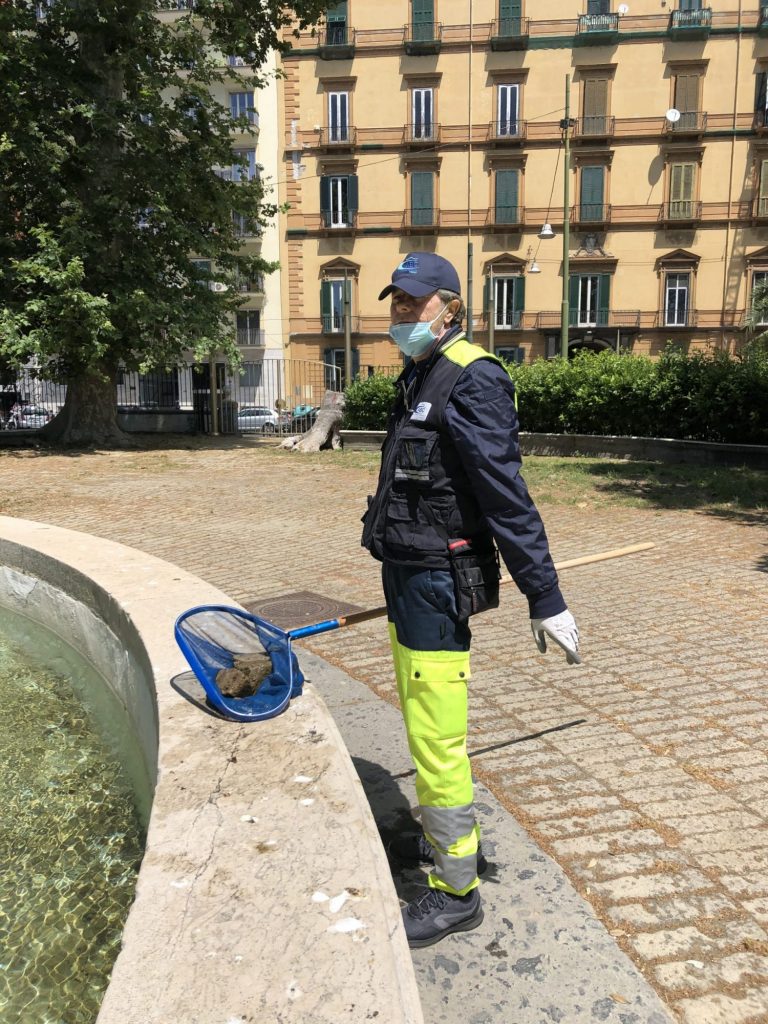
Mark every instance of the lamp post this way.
pixel 566 125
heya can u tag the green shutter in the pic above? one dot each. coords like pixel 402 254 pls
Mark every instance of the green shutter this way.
pixel 760 93
pixel 573 299
pixel 326 308
pixel 338 12
pixel 423 20
pixel 507 196
pixel 509 17
pixel 519 295
pixel 682 177
pixel 486 295
pixel 352 197
pixel 592 193
pixel 595 106
pixel 763 195
pixel 422 202
pixel 603 299
pixel 325 195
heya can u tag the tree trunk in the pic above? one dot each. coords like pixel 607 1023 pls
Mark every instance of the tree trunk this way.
pixel 89 415
pixel 324 432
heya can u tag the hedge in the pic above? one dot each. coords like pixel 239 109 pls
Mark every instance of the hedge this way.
pixel 703 396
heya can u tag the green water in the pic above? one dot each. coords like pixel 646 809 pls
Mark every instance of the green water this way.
pixel 70 832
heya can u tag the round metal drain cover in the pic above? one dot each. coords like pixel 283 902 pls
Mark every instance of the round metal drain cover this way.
pixel 299 609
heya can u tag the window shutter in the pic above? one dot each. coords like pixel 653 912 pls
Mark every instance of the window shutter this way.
pixel 423 19
pixel 486 295
pixel 355 363
pixel 518 299
pixel 352 197
pixel 592 180
pixel 519 358
pixel 325 196
pixel 326 310
pixel 573 297
pixel 760 92
pixel 764 179
pixel 421 197
pixel 688 170
pixel 603 298
pixel 509 16
pixel 687 93
pixel 595 97
pixel 506 196
pixel 338 12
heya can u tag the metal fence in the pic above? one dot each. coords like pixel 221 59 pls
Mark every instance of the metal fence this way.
pixel 277 388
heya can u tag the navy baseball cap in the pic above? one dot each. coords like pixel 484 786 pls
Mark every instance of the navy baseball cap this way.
pixel 422 273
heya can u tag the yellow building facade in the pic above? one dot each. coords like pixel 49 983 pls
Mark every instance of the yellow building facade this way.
pixel 440 126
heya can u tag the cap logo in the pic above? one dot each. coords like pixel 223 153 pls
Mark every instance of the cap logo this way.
pixel 410 265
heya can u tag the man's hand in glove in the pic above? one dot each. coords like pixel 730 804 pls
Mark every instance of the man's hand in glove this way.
pixel 563 630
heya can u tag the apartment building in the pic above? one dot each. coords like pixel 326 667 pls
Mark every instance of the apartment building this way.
pixel 439 124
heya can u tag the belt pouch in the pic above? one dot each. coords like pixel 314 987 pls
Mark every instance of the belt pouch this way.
pixel 475 578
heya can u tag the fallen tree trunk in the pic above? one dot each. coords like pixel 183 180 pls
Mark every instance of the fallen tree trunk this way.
pixel 324 432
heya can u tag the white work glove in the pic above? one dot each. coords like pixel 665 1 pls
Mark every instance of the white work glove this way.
pixel 563 630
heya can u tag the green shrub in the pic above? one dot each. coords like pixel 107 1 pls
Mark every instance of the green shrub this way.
pixel 368 401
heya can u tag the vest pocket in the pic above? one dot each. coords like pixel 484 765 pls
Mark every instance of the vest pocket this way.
pixel 408 530
pixel 413 457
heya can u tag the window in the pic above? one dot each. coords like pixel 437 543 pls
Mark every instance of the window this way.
pixel 761 99
pixel 338 200
pixel 589 296
pixel 592 194
pixel 249 327
pixel 238 172
pixel 690 5
pixel 336 21
pixel 422 113
pixel 511 354
pixel 760 296
pixel 422 20
pixel 686 99
pixel 762 190
pixel 681 182
pixel 423 198
pixel 510 22
pixel 332 305
pixel 507 110
pixel 595 108
pixel 676 300
pixel 506 210
pixel 241 104
pixel 245 226
pixel 598 6
pixel 202 272
pixel 508 301
pixel 338 117
pixel 335 365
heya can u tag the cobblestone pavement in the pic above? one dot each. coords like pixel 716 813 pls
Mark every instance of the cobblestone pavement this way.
pixel 644 773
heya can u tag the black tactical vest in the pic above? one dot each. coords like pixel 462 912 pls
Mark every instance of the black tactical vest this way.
pixel 424 498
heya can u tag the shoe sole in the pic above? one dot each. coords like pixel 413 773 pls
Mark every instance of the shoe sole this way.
pixel 463 926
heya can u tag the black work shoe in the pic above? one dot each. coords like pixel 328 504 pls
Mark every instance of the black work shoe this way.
pixel 415 848
pixel 435 914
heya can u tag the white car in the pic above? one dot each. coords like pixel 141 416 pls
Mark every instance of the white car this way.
pixel 258 417
pixel 29 418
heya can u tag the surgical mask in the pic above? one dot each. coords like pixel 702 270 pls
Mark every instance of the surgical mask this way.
pixel 413 339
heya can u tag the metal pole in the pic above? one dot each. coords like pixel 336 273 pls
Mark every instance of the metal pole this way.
pixel 214 395
pixel 491 313
pixel 469 331
pixel 566 220
pixel 347 333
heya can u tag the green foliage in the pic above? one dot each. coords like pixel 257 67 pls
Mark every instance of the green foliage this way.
pixel 110 141
pixel 368 401
pixel 704 396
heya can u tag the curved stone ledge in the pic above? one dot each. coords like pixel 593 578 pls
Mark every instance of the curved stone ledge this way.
pixel 264 893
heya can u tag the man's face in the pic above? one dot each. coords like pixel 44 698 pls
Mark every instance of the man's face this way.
pixel 405 309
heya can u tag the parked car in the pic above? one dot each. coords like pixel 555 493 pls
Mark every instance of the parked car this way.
pixel 259 418
pixel 302 418
pixel 28 417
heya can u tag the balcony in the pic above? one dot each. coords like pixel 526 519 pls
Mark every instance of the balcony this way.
pixel 254 286
pixel 677 319
pixel 503 132
pixel 760 121
pixel 588 319
pixel 507 320
pixel 591 214
pixel 333 323
pixel 423 221
pixel 251 336
pixel 596 126
pixel 338 221
pixel 336 42
pixel 421 40
pixel 692 122
pixel 762 21
pixel 426 133
pixel 597 29
pixel 681 211
pixel 690 24
pixel 760 210
pixel 337 137
pixel 510 34
pixel 505 218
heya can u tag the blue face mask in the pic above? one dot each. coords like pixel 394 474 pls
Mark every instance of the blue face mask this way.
pixel 415 338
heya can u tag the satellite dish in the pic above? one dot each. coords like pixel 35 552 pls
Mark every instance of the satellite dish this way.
pixel 672 115
pixel 623 9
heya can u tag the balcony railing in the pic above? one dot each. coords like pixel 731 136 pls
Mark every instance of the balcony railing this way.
pixel 253 286
pixel 336 41
pixel 691 122
pixel 762 21
pixel 760 208
pixel 423 38
pixel 505 217
pixel 595 126
pixel 509 320
pixel 591 213
pixel 681 210
pixel 510 34
pixel 421 220
pixel 424 133
pixel 339 136
pixel 507 131
pixel 691 24
pixel 254 336
pixel 594 28
pixel 333 323
pixel 760 122
pixel 339 220
pixel 680 318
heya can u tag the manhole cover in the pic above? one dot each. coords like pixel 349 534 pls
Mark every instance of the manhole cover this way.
pixel 300 609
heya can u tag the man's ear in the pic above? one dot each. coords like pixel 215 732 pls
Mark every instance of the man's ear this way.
pixel 453 308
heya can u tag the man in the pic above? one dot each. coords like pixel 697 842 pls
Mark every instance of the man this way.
pixel 449 494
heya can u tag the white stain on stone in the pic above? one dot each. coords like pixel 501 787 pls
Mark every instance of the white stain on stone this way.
pixel 319 897
pixel 303 779
pixel 307 802
pixel 347 925
pixel 248 817
pixel 338 902
pixel 293 991
pixel 181 883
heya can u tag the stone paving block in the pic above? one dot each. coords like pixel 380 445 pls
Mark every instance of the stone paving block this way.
pixel 740 839
pixel 740 861
pixel 584 825
pixel 709 975
pixel 749 1008
pixel 606 842
pixel 693 825
pixel 606 866
pixel 707 804
pixel 692 943
pixel 757 908
pixel 570 807
pixel 745 883
pixel 642 887
pixel 675 910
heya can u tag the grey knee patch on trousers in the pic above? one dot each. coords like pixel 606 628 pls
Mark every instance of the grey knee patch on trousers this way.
pixel 446 825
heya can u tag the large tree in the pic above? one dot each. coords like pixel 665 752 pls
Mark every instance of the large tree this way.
pixel 112 153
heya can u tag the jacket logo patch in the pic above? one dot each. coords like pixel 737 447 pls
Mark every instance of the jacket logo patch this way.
pixel 421 411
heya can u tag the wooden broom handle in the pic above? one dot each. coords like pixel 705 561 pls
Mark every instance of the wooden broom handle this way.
pixel 571 563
